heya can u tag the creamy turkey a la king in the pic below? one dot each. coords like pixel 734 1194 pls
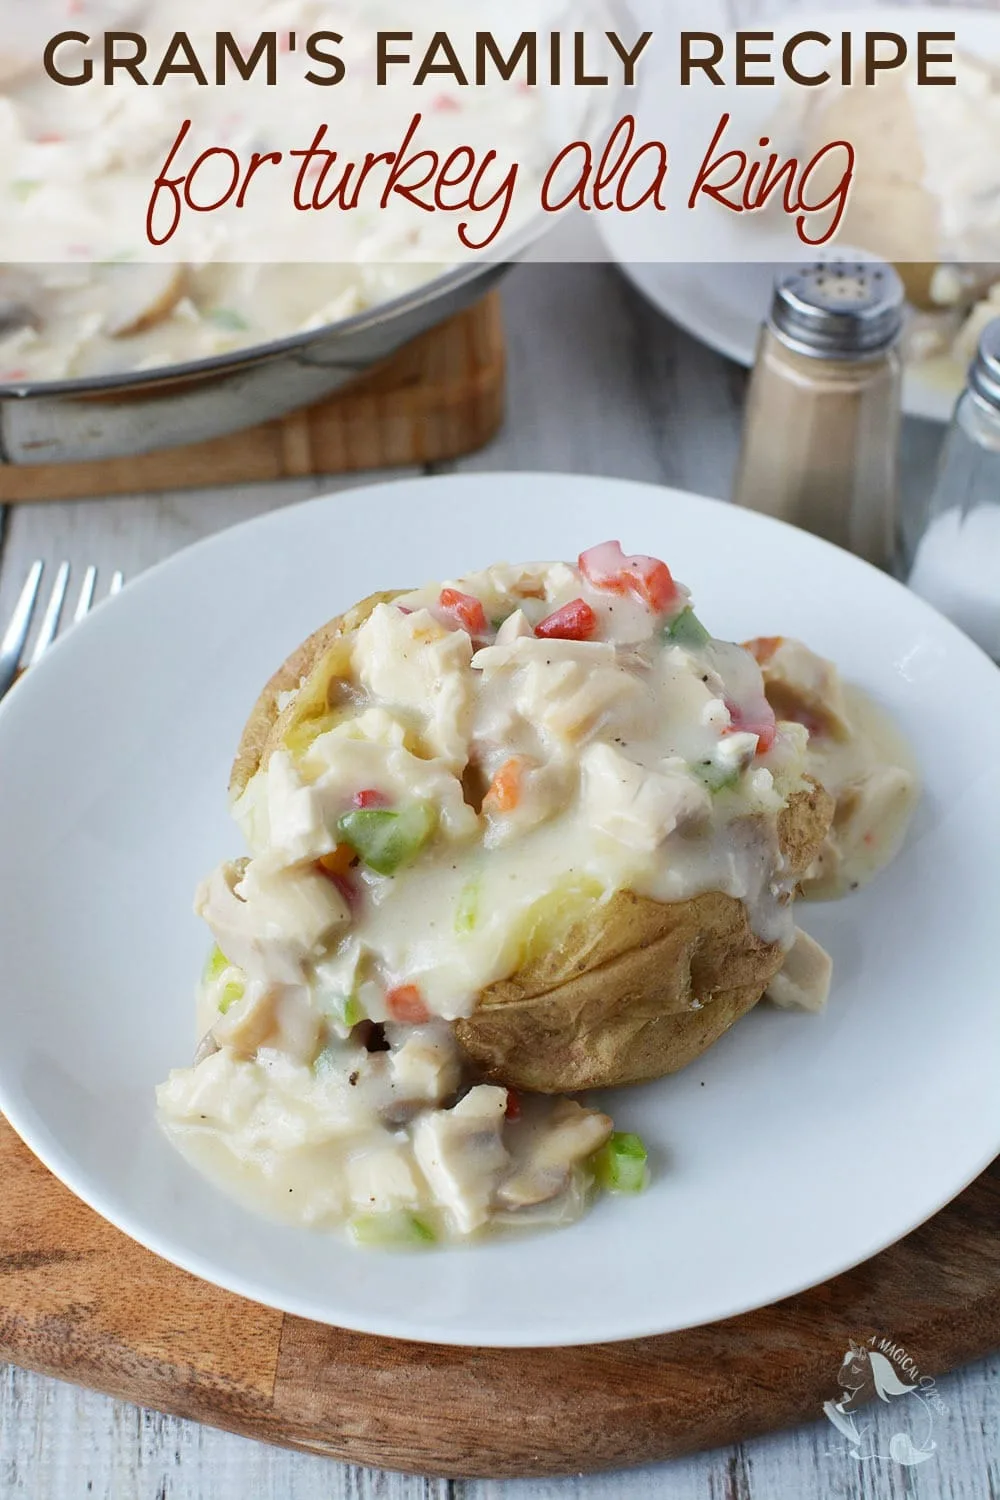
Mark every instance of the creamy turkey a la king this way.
pixel 512 838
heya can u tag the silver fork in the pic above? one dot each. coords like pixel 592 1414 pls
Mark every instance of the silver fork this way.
pixel 16 636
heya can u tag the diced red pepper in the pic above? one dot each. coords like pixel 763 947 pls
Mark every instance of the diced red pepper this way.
pixel 513 1110
pixel 445 104
pixel 576 621
pixel 766 736
pixel 759 721
pixel 406 1005
pixel 607 568
pixel 370 798
pixel 466 611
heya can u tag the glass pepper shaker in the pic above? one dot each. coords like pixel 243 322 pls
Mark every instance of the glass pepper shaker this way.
pixel 956 563
pixel 821 435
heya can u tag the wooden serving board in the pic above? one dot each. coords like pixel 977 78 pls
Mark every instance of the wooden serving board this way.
pixel 439 397
pixel 80 1301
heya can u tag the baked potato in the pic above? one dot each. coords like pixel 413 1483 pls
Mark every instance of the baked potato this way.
pixel 528 833
pixel 630 990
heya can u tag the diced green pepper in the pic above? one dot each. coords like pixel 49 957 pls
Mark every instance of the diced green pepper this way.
pixel 343 1012
pixel 620 1164
pixel 467 911
pixel 687 630
pixel 387 841
pixel 232 992
pixel 717 778
pixel 391 1231
pixel 215 965
pixel 354 1013
pixel 24 188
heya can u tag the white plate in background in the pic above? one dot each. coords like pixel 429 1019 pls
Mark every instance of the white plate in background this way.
pixel 720 291
pixel 724 305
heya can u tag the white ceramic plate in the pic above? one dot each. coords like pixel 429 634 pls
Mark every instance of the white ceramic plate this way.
pixel 797 1147
pixel 722 291
pixel 724 305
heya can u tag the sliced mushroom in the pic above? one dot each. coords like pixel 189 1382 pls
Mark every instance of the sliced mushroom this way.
pixel 555 1148
pixel 267 923
pixel 143 296
pixel 803 981
pixel 461 1153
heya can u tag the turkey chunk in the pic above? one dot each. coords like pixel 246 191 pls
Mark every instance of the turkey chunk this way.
pixel 638 807
pixel 803 981
pixel 461 1153
pixel 269 923
pixel 410 662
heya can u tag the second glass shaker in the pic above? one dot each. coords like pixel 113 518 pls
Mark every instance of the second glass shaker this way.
pixel 821 436
pixel 957 562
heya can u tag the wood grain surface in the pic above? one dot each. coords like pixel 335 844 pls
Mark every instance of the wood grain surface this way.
pixel 439 397
pixel 81 1301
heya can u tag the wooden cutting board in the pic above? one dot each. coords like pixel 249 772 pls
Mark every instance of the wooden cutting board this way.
pixel 81 1301
pixel 439 397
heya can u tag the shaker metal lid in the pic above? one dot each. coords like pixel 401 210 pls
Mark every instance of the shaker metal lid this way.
pixel 839 309
pixel 984 376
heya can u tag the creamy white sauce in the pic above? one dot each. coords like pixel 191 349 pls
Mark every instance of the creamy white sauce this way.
pixel 874 778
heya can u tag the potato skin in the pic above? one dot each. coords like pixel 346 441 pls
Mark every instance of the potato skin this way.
pixel 261 732
pixel 638 989
pixel 614 1003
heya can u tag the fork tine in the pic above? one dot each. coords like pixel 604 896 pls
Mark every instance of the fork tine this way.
pixel 20 622
pixel 16 635
pixel 86 598
pixel 50 620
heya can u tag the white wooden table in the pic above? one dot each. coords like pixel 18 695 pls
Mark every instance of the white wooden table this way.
pixel 599 384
